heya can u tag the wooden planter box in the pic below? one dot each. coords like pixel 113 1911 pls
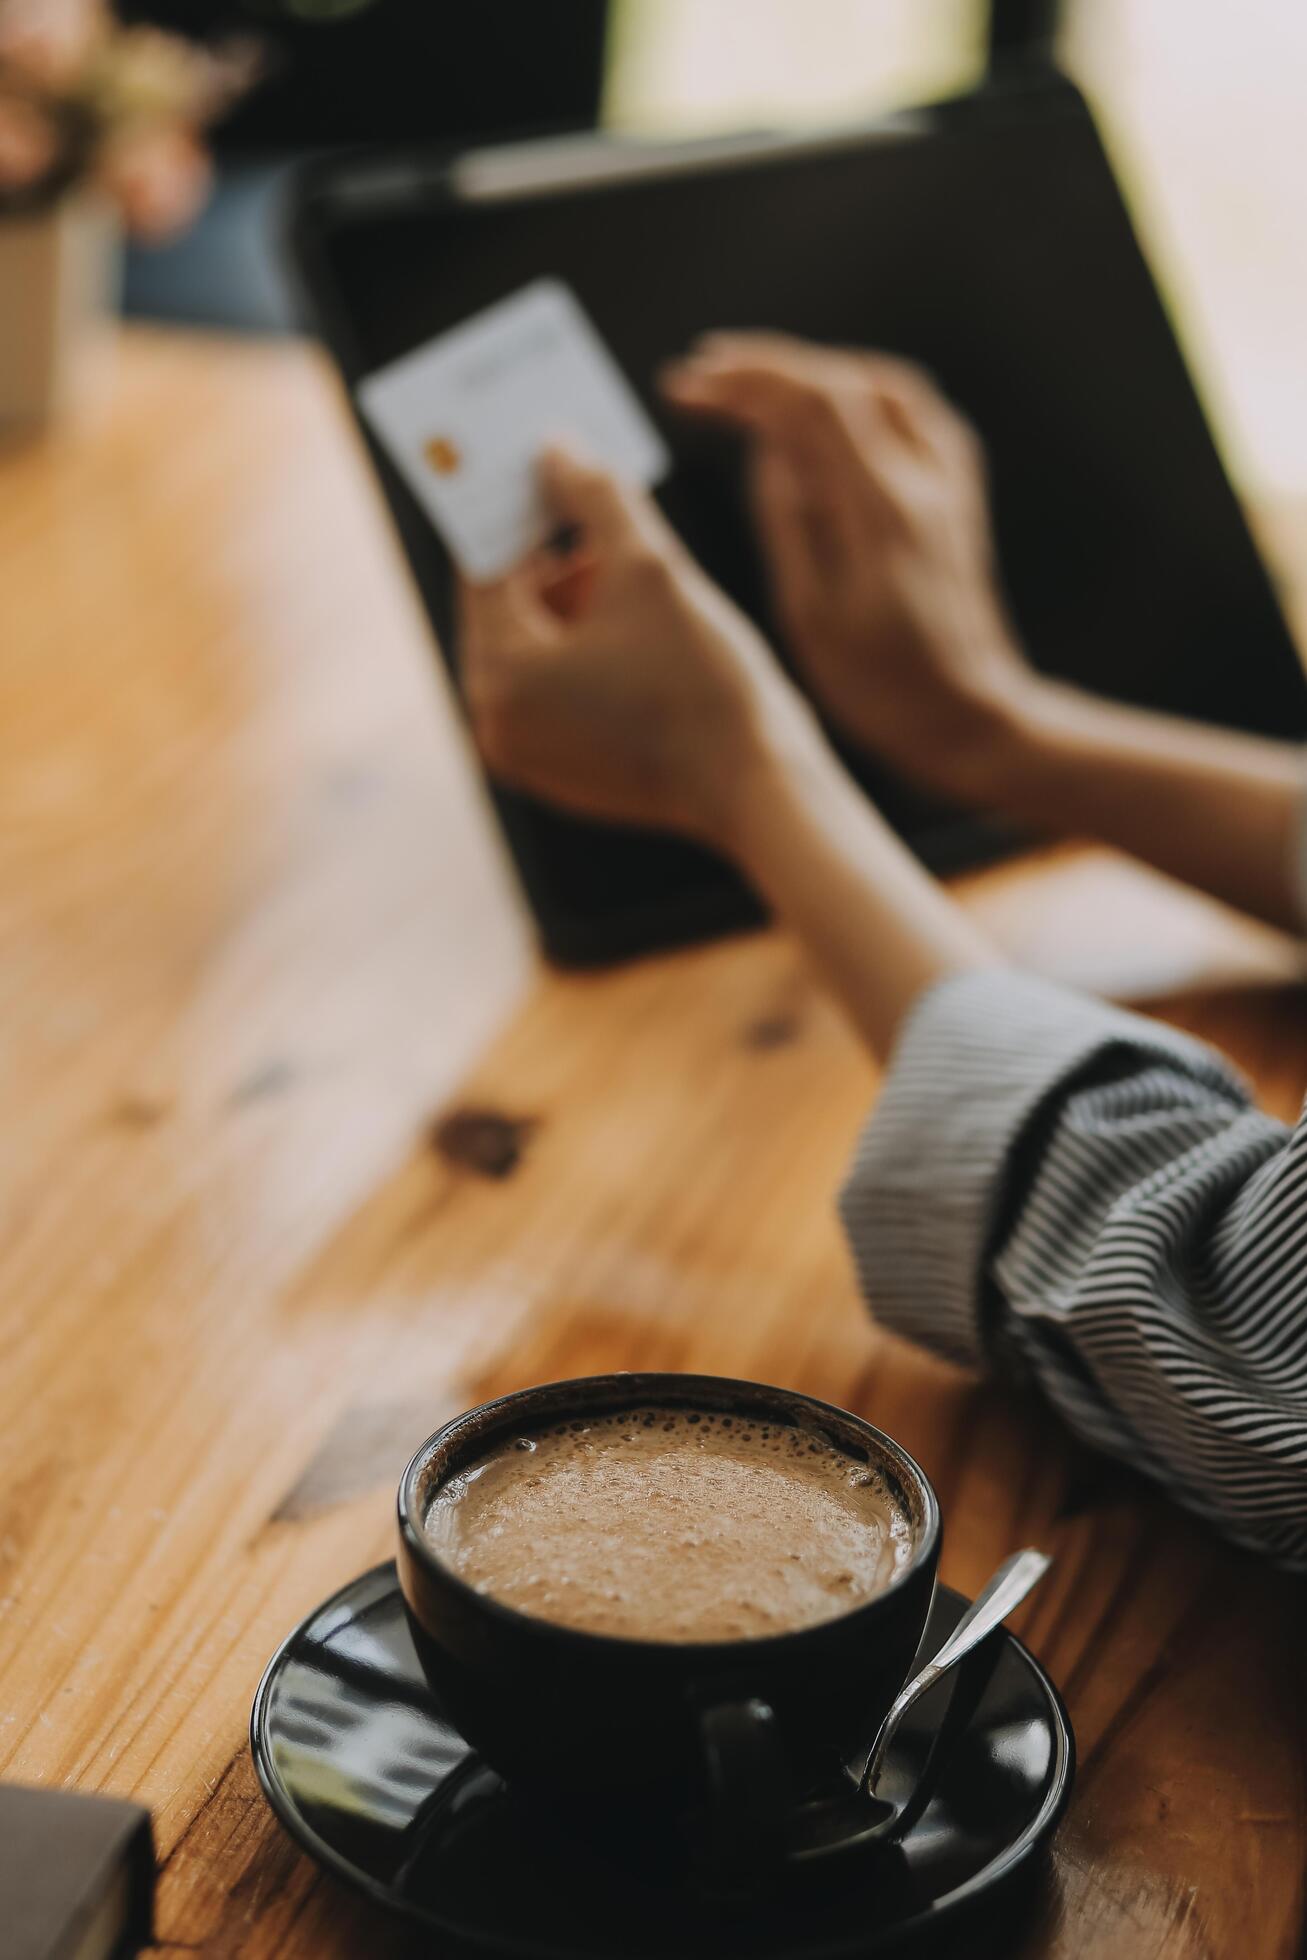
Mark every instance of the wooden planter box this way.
pixel 59 284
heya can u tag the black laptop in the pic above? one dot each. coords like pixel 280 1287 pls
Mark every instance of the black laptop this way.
pixel 984 237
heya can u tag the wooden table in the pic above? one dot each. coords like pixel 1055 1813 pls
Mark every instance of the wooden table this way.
pixel 254 929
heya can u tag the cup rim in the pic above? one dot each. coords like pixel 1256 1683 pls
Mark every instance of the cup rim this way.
pixel 653 1386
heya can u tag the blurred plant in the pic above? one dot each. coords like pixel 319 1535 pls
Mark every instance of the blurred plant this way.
pixel 84 99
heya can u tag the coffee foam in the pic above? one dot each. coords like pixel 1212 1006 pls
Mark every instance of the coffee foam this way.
pixel 672 1524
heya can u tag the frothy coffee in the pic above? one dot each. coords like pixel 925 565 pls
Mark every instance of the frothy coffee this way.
pixel 672 1524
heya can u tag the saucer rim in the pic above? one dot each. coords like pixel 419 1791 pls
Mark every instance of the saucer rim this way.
pixel 992 1879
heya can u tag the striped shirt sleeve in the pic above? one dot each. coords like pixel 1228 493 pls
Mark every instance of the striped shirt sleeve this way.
pixel 1053 1187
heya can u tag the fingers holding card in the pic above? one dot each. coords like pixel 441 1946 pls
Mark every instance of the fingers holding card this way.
pixel 466 417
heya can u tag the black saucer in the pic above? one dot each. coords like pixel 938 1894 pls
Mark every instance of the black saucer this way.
pixel 365 1773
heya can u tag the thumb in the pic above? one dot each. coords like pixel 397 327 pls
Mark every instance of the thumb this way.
pixel 582 493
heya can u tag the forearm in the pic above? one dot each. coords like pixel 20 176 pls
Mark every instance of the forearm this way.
pixel 1053 1188
pixel 1218 809
pixel 880 928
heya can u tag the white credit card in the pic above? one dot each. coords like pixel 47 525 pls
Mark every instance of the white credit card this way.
pixel 465 417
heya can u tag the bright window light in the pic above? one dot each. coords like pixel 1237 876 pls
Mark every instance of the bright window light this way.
pixel 680 67
pixel 1201 103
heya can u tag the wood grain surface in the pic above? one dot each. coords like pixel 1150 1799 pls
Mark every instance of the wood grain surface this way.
pixel 272 1207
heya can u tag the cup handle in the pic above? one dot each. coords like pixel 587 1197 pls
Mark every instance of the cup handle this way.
pixel 744 1773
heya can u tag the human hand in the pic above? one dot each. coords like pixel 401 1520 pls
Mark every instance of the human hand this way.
pixel 870 500
pixel 620 682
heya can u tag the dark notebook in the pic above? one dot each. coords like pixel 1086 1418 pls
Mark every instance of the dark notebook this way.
pixel 76 1875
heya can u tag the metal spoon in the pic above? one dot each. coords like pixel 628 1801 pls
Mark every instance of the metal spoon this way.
pixel 991 1606
pixel 858 1819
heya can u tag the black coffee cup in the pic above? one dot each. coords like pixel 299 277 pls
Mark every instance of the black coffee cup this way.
pixel 737 1726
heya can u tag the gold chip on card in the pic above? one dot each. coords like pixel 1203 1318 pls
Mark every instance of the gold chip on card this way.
pixel 444 455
